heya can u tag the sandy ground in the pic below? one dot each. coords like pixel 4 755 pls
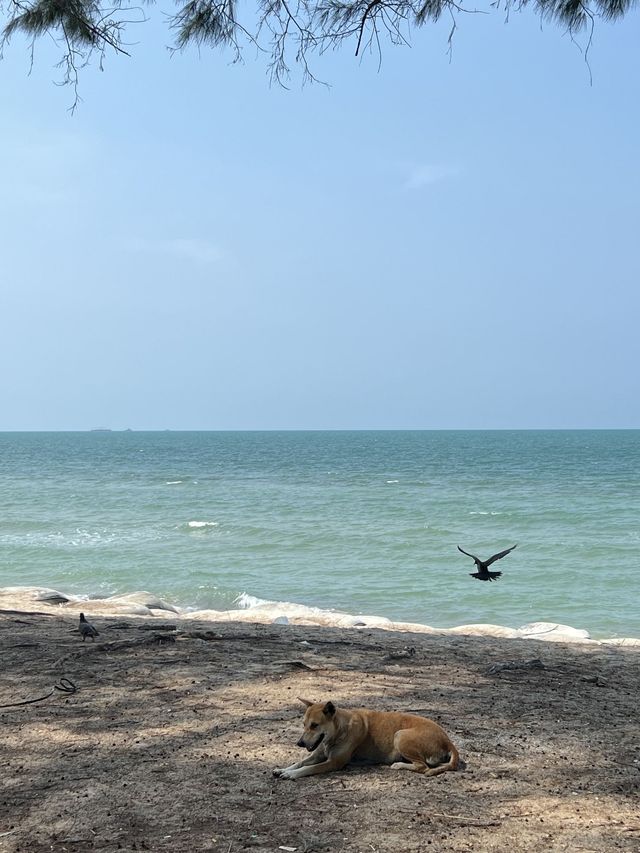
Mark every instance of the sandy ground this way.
pixel 169 740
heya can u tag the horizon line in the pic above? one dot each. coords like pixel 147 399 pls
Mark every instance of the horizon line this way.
pixel 120 430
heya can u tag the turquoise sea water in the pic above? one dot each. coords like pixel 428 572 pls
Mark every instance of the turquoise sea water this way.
pixel 364 522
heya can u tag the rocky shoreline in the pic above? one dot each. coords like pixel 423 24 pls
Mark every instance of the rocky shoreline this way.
pixel 146 604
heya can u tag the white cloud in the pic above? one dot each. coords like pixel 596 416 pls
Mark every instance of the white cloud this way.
pixel 426 174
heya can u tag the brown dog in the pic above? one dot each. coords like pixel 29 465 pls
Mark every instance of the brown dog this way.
pixel 336 736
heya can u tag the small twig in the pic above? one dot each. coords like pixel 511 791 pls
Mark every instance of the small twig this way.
pixel 533 663
pixel 466 819
pixel 369 8
pixel 209 635
pixel 368 646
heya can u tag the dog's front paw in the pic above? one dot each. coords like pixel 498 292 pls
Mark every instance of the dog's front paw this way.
pixel 288 773
pixel 278 771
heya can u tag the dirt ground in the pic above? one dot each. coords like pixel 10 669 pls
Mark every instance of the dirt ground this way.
pixel 169 740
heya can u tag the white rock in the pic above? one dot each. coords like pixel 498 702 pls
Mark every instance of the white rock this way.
pixel 415 628
pixel 485 630
pixel 346 620
pixel 107 607
pixel 622 641
pixel 553 632
pixel 24 598
pixel 146 599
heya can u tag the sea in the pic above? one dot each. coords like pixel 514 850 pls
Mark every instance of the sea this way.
pixel 356 522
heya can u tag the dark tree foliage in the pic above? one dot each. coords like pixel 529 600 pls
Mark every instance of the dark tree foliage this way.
pixel 287 32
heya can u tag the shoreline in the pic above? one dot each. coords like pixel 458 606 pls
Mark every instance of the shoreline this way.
pixel 143 604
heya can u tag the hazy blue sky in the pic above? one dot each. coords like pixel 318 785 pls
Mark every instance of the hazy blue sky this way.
pixel 435 245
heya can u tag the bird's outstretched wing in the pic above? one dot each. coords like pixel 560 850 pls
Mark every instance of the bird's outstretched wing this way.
pixel 499 556
pixel 469 555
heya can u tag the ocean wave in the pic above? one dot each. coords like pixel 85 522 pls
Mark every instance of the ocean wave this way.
pixel 244 601
pixel 202 525
pixel 79 537
pixel 173 482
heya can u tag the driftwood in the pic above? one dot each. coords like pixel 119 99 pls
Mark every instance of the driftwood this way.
pixel 404 654
pixel 83 650
pixel 24 613
pixel 299 664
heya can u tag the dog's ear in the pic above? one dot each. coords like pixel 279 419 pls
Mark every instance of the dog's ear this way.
pixel 305 701
pixel 329 709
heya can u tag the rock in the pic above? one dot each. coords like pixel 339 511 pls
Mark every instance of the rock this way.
pixel 553 631
pixel 346 620
pixel 108 607
pixel 416 628
pixel 52 596
pixel 146 599
pixel 622 641
pixel 482 630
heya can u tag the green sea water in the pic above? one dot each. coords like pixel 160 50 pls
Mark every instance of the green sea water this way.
pixel 362 522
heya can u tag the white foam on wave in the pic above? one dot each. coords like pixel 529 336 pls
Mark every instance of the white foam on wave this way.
pixel 202 525
pixel 78 538
pixel 244 601
pixel 173 482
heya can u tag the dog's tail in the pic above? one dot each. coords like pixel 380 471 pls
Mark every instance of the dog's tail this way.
pixel 452 762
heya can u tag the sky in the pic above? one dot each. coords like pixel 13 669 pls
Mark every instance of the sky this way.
pixel 433 244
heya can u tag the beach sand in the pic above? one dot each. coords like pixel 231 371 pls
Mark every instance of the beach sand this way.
pixel 170 738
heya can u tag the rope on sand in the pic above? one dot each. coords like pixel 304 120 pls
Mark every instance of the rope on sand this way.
pixel 65 686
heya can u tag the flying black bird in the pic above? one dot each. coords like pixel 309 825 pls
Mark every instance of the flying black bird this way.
pixel 483 573
pixel 86 629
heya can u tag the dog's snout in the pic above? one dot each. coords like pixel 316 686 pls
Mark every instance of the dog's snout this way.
pixel 301 742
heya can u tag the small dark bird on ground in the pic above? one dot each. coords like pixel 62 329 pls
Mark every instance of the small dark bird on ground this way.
pixel 86 629
pixel 483 573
